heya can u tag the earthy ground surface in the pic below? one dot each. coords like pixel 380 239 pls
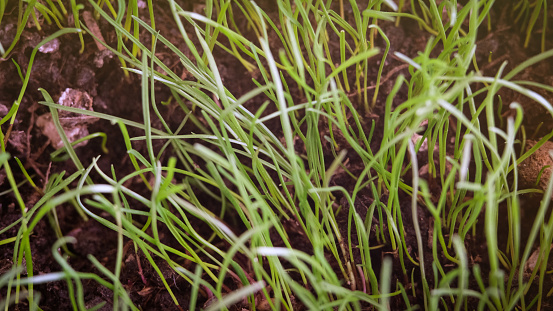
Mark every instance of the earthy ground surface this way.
pixel 115 94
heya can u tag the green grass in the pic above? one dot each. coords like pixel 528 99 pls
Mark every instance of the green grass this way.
pixel 529 13
pixel 241 157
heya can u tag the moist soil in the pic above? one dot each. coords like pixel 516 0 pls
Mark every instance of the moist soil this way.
pixel 101 77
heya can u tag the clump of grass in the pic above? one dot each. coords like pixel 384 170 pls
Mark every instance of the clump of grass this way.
pixel 528 13
pixel 58 12
pixel 275 183
pixel 50 11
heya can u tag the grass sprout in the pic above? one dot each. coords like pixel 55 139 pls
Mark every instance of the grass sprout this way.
pixel 267 191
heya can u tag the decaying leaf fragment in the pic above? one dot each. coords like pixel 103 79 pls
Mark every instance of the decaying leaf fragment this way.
pixel 75 125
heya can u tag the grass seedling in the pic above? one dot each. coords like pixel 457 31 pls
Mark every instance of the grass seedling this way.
pixel 529 20
pixel 258 182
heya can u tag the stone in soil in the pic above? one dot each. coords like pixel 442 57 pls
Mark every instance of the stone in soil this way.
pixel 530 168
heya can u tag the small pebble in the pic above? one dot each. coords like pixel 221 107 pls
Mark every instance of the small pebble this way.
pixel 50 47
pixel 530 168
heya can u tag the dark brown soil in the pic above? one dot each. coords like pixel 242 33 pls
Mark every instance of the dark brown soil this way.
pixel 115 94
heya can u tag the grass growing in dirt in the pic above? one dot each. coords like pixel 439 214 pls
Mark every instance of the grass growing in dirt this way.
pixel 260 206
